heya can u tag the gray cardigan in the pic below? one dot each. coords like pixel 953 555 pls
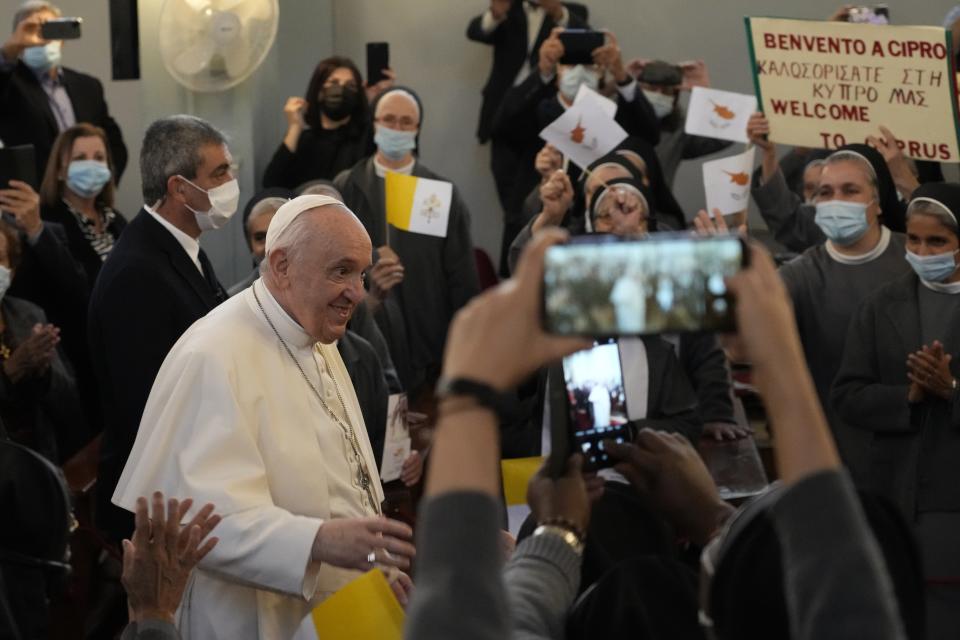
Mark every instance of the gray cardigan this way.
pixel 464 593
pixel 915 447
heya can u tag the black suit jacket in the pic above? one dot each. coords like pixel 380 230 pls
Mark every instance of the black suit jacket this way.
pixel 27 118
pixel 509 42
pixel 77 243
pixel 148 293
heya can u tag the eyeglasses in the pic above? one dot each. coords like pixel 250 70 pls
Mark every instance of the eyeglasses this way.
pixel 403 123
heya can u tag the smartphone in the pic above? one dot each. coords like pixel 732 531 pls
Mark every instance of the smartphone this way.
pixel 18 163
pixel 605 286
pixel 61 29
pixel 596 402
pixel 579 45
pixel 378 59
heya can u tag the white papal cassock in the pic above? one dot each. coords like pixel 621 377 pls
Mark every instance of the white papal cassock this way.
pixel 230 420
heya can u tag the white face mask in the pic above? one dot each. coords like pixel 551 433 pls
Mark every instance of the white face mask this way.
pixel 6 277
pixel 662 103
pixel 223 204
pixel 575 76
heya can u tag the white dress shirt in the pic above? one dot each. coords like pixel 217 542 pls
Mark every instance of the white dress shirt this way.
pixel 190 245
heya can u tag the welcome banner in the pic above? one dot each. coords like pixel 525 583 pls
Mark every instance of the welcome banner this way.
pixel 826 84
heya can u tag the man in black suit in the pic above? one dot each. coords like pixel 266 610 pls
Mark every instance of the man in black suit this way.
pixel 39 98
pixel 155 284
pixel 516 29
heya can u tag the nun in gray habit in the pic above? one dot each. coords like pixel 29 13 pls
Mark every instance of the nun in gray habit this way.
pixel 898 382
pixel 439 273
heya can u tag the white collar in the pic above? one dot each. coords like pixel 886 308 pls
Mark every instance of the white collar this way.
pixel 289 329
pixel 863 258
pixel 190 245
pixel 382 169
pixel 949 288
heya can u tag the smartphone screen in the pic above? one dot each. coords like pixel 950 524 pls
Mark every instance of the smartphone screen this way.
pixel 605 286
pixel 597 401
pixel 579 45
pixel 61 29
pixel 378 59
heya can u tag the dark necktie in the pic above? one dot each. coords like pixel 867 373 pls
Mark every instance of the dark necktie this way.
pixel 211 277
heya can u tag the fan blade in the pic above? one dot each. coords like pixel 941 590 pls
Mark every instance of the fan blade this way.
pixel 236 57
pixel 254 9
pixel 196 57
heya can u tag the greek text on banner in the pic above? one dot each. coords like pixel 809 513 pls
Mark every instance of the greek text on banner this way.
pixel 826 84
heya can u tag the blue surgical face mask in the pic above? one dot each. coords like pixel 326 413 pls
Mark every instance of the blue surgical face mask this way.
pixel 42 57
pixel 662 103
pixel 86 178
pixel 933 268
pixel 573 77
pixel 841 221
pixel 6 277
pixel 394 144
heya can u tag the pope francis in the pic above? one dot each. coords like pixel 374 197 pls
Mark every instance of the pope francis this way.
pixel 253 411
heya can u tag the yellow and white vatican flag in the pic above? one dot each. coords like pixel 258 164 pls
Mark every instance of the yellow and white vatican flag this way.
pixel 418 205
pixel 365 609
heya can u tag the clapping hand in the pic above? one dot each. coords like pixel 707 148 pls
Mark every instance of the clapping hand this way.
pixel 158 560
pixel 929 372
pixel 33 356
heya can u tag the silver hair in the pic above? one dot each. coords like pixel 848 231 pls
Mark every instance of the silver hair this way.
pixel 935 209
pixel 852 156
pixel 31 7
pixel 320 188
pixel 171 146
pixel 264 206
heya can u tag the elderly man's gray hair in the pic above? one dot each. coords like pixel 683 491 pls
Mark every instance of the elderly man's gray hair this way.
pixel 31 7
pixel 171 147
pixel 267 205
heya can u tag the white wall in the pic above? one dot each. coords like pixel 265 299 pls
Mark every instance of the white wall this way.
pixel 431 54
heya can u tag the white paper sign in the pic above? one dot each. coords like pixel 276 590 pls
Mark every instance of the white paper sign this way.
pixel 719 114
pixel 727 182
pixel 587 98
pixel 396 442
pixel 584 133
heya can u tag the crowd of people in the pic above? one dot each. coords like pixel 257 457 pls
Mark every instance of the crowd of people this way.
pixel 241 433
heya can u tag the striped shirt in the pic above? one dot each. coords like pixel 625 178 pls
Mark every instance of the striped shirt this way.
pixel 101 243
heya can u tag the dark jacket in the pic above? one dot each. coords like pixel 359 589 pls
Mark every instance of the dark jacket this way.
pixel 27 118
pixel 319 154
pixel 440 273
pixel 915 447
pixel 509 42
pixel 148 293
pixel 51 278
pixel 79 248
pixel 366 374
pixel 37 411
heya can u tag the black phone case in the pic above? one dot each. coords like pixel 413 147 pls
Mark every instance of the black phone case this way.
pixel 378 59
pixel 18 163
pixel 578 46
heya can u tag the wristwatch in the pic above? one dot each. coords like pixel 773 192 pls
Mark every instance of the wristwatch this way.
pixel 565 534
